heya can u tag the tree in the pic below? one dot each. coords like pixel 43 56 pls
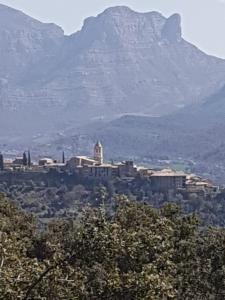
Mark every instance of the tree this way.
pixel 136 252
pixel 1 162
pixel 16 232
pixel 29 159
pixel 24 159
pixel 63 157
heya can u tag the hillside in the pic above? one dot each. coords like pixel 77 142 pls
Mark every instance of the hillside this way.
pixel 195 133
pixel 192 131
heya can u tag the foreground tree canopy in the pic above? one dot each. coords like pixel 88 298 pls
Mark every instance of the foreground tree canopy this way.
pixel 133 252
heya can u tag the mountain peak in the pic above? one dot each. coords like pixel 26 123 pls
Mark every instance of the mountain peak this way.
pixel 118 10
pixel 123 25
pixel 172 29
pixel 125 11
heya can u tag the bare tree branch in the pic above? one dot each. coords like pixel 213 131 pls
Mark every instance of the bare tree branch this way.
pixel 49 269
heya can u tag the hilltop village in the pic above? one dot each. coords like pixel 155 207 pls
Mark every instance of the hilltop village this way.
pixel 22 168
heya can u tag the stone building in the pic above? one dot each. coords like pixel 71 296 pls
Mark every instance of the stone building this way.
pixel 45 161
pixel 202 187
pixel 80 161
pixel 92 167
pixel 127 169
pixel 100 171
pixel 18 161
pixel 96 168
pixel 85 161
pixel 164 180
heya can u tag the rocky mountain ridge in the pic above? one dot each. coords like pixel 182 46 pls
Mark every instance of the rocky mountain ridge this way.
pixel 120 62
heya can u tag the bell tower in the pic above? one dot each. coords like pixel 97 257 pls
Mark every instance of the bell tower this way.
pixel 98 153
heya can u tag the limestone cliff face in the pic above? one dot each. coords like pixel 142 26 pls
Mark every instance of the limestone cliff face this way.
pixel 120 62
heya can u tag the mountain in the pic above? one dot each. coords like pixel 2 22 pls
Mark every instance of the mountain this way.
pixel 24 43
pixel 120 62
pixel 195 133
pixel 192 132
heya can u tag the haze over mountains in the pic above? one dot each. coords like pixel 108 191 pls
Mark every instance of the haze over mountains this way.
pixel 121 62
pixel 125 77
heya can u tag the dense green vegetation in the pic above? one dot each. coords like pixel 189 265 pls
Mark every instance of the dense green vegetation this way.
pixel 125 250
pixel 67 200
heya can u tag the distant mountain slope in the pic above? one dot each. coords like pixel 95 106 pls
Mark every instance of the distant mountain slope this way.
pixel 195 132
pixel 120 62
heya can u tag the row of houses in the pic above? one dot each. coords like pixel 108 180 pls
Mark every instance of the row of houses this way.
pixel 161 180
pixel 96 168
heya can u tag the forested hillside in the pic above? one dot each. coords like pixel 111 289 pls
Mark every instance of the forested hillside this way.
pixel 68 200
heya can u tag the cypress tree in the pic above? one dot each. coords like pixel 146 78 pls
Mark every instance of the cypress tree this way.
pixel 63 157
pixel 29 159
pixel 24 159
pixel 1 162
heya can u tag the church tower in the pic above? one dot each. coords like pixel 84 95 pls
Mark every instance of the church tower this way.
pixel 98 153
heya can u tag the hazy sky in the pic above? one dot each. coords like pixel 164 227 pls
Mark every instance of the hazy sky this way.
pixel 203 20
